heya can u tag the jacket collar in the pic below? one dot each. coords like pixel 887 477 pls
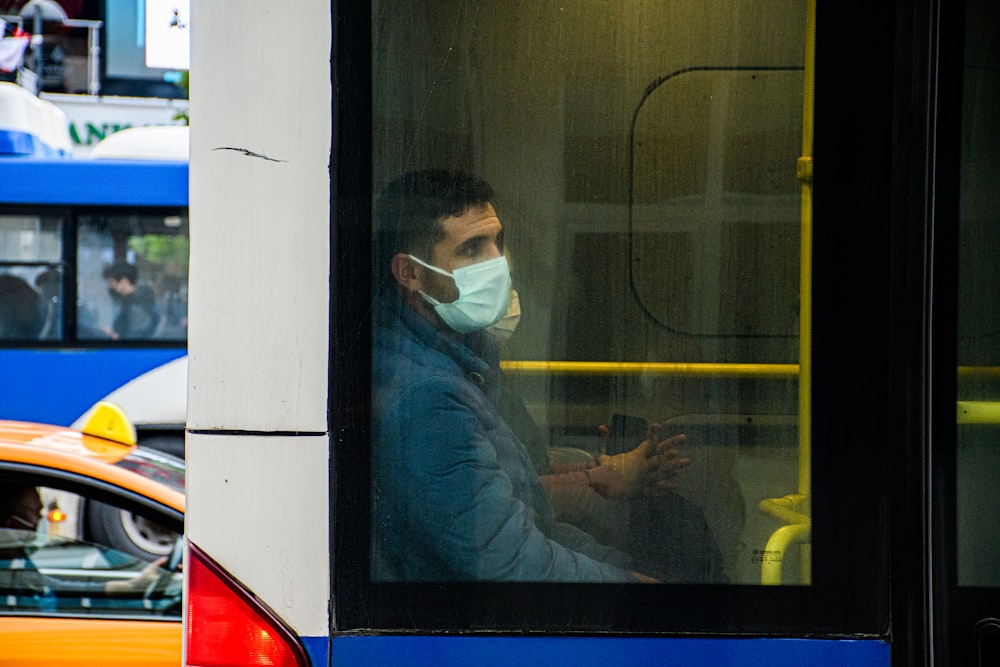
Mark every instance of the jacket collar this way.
pixel 477 354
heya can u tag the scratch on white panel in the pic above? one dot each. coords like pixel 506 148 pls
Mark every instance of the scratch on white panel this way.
pixel 248 153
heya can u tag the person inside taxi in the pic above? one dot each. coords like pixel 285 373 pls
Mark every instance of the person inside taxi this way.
pixel 456 497
pixel 21 512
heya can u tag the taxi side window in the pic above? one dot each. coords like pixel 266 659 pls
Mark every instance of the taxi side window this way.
pixel 53 562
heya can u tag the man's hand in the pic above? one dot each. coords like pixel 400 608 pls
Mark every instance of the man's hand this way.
pixel 139 583
pixel 649 468
pixel 644 578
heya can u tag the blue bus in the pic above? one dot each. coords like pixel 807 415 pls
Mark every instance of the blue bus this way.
pixel 771 227
pixel 64 223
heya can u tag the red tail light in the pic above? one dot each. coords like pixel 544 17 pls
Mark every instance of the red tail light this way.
pixel 227 625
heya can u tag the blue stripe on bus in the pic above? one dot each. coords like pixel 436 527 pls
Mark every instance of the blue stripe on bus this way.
pixel 57 386
pixel 316 649
pixel 93 182
pixel 603 652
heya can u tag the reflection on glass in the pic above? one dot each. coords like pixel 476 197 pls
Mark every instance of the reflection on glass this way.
pixel 978 484
pixel 645 178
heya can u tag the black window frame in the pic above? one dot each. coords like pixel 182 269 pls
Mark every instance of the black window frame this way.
pixel 856 483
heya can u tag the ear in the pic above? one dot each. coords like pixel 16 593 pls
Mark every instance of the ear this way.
pixel 406 272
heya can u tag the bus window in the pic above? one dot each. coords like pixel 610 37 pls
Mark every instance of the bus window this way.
pixel 132 276
pixel 978 457
pixel 644 173
pixel 30 277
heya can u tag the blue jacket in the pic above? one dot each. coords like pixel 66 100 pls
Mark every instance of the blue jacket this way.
pixel 455 495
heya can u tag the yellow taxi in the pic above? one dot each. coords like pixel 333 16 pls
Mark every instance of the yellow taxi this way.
pixel 90 545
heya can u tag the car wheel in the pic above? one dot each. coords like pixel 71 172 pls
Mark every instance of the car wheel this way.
pixel 127 532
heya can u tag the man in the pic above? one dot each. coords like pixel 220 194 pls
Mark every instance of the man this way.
pixel 456 497
pixel 138 313
pixel 20 513
pixel 20 507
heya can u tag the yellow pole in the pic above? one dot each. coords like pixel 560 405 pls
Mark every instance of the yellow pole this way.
pixel 805 173
pixel 774 553
pixel 666 369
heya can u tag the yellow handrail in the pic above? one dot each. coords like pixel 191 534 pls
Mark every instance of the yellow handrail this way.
pixel 790 509
pixel 666 369
pixel 979 371
pixel 774 553
pixel 804 172
pixel 685 369
pixel 978 412
pixel 799 525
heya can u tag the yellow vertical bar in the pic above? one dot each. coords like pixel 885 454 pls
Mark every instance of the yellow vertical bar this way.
pixel 805 257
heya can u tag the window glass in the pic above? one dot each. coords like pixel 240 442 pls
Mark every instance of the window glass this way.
pixel 63 553
pixel 978 459
pixel 643 164
pixel 152 464
pixel 132 276
pixel 30 277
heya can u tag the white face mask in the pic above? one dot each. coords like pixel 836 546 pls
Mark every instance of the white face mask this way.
pixel 483 294
pixel 505 327
pixel 41 532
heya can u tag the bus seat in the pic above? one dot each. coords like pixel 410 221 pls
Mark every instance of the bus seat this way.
pixel 52 328
pixel 21 315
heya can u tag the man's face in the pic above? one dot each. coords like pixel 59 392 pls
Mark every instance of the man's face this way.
pixel 471 238
pixel 117 286
pixel 28 514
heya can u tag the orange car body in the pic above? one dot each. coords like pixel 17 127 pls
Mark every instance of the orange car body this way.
pixel 38 640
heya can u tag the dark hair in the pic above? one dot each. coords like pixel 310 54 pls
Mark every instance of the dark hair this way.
pixel 49 278
pixel 12 497
pixel 410 208
pixel 121 269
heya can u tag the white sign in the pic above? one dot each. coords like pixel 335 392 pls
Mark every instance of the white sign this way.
pixel 168 34
pixel 94 118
